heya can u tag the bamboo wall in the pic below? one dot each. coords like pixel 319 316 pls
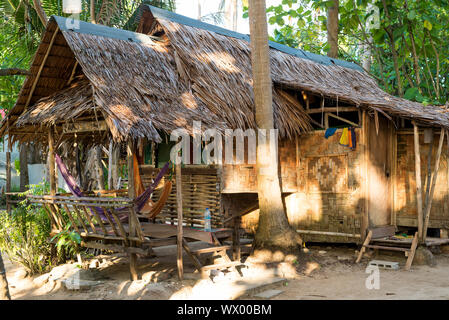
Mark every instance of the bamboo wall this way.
pixel 200 190
pixel 324 179
pixel 405 185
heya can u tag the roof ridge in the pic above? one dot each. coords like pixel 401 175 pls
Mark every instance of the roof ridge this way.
pixel 184 20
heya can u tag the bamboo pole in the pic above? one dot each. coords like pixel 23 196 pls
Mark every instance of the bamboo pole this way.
pixel 8 174
pixel 110 164
pixel 179 229
pixel 432 188
pixel 418 180
pixel 51 162
pixel 131 195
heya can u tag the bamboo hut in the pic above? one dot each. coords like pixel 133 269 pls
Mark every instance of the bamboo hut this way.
pixel 90 84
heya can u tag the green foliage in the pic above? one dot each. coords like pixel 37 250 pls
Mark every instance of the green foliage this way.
pixel 67 242
pixel 24 237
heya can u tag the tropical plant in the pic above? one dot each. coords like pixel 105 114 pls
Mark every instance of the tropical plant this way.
pixel 406 43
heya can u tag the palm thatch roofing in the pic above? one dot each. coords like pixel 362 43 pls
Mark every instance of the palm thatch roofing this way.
pixel 176 70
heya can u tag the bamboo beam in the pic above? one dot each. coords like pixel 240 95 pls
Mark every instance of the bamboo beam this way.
pixel 8 173
pixel 179 229
pixel 332 109
pixel 342 119
pixel 418 181
pixel 41 67
pixel 432 188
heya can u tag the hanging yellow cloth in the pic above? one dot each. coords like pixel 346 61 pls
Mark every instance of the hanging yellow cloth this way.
pixel 344 139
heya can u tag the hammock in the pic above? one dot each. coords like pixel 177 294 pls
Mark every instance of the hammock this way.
pixel 140 201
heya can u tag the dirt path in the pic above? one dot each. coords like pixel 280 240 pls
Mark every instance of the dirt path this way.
pixel 324 273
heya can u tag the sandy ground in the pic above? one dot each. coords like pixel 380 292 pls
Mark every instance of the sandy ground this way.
pixel 322 273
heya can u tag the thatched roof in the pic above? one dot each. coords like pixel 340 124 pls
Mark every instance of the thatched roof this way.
pixel 179 71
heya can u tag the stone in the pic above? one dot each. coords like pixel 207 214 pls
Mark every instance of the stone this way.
pixel 423 256
pixel 268 294
pixel 63 271
pixel 305 250
pixel 344 259
pixel 74 283
pixel 41 280
pixel 20 274
pixel 322 252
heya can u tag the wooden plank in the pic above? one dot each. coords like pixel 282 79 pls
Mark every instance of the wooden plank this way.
pixel 384 231
pixel 195 260
pixel 411 254
pixel 180 221
pixel 418 181
pixel 374 246
pixel 71 219
pixel 432 187
pixel 363 248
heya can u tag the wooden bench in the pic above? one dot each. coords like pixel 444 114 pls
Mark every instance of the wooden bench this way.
pixel 124 230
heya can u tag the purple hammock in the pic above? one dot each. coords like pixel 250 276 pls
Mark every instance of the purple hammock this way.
pixel 76 191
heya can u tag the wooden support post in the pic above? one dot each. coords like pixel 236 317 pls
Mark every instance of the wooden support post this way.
pixel 110 164
pixel 418 181
pixel 236 252
pixel 411 254
pixel 8 173
pixel 363 248
pixel 132 224
pixel 179 209
pixel 365 130
pixel 99 168
pixel 51 162
pixel 432 187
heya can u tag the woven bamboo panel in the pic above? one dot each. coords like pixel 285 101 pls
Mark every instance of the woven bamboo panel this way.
pixel 330 185
pixel 242 178
pixel 405 186
pixel 199 191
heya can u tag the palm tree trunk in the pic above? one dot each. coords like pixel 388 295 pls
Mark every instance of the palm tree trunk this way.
pixel 332 29
pixel 4 290
pixel 40 12
pixel 273 230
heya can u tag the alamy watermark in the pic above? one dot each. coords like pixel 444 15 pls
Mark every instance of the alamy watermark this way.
pixel 208 146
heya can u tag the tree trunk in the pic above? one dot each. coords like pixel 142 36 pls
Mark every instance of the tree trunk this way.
pixel 23 157
pixel 4 290
pixel 273 230
pixel 332 29
pixel 40 12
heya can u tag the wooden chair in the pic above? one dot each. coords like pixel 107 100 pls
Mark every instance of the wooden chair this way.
pixel 379 238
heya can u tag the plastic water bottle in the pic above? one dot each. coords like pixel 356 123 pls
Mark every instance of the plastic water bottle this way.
pixel 207 225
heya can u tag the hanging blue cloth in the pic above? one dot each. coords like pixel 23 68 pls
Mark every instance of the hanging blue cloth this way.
pixel 329 132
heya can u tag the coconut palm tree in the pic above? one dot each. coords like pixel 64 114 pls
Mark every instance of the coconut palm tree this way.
pixel 273 230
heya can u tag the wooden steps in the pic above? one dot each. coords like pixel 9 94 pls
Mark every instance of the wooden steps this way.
pixel 377 235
